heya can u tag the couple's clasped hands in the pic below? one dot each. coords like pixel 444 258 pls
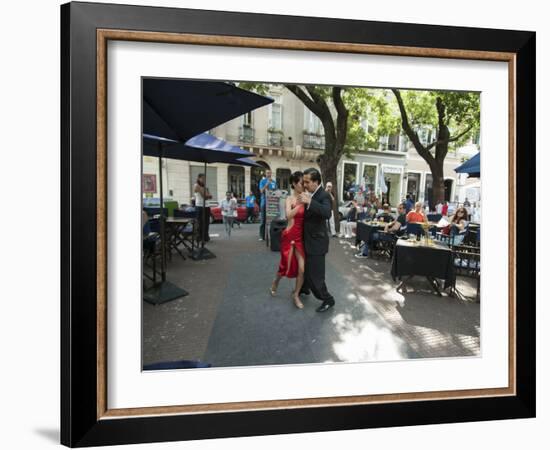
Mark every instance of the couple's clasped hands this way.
pixel 304 198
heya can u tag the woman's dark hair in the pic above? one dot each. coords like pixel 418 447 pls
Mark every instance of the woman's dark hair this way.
pixel 296 177
pixel 314 174
pixel 464 214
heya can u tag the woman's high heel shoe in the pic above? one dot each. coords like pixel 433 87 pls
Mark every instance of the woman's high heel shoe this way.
pixel 273 289
pixel 297 302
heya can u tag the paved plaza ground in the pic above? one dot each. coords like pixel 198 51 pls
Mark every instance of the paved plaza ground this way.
pixel 229 317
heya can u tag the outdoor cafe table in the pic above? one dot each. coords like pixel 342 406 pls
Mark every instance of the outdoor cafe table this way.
pixel 175 235
pixel 365 230
pixel 413 257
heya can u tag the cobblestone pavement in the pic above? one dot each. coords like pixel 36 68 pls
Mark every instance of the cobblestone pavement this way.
pixel 229 317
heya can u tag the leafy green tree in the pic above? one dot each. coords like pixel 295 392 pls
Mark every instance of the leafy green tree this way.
pixel 340 111
pixel 453 115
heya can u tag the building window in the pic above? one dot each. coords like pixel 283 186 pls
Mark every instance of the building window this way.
pixel 235 175
pixel 246 119
pixel 369 177
pixel 393 142
pixel 275 130
pixel 350 181
pixel 276 114
pixel 283 179
pixel 246 131
pixel 383 142
pixel 448 183
pixel 313 135
pixel 312 123
pixel 413 186
pixel 428 190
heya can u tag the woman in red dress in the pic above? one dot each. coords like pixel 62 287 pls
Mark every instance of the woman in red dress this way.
pixel 292 261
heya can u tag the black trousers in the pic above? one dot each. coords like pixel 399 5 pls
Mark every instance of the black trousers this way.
pixel 204 222
pixel 250 214
pixel 314 278
pixel 263 222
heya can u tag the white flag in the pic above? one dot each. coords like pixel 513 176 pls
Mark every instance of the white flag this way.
pixel 382 182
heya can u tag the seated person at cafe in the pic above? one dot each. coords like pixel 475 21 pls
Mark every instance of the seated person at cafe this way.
pixel 395 226
pixel 458 222
pixel 351 220
pixel 416 215
pixel 385 216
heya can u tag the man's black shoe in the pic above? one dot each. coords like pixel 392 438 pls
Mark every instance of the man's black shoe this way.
pixel 325 307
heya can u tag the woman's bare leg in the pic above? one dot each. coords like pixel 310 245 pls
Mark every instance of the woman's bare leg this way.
pixel 275 284
pixel 299 281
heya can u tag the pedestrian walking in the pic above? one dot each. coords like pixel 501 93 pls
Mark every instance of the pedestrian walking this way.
pixel 229 208
pixel 250 204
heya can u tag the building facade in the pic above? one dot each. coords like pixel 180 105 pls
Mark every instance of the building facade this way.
pixel 285 137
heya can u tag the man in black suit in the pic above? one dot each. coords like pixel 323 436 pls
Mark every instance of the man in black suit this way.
pixel 318 206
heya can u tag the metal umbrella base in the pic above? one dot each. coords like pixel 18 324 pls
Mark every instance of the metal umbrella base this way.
pixel 163 292
pixel 201 253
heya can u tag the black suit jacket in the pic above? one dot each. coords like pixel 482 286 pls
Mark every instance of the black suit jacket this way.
pixel 315 223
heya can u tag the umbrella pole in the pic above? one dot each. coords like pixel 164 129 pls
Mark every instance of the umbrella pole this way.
pixel 164 291
pixel 162 237
pixel 204 218
pixel 201 252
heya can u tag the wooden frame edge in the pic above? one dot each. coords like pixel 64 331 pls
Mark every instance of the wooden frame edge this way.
pixel 512 202
pixel 103 36
pixel 101 223
pixel 289 44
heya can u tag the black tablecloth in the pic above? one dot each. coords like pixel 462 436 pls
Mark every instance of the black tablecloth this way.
pixel 417 259
pixel 364 232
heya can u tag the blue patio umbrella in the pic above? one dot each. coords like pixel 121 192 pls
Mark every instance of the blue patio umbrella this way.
pixel 204 148
pixel 471 167
pixel 175 111
pixel 182 109
pixel 246 162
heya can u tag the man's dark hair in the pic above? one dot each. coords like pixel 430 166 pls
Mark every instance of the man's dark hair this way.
pixel 314 174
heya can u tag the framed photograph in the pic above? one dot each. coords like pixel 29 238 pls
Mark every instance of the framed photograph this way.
pixel 149 183
pixel 277 224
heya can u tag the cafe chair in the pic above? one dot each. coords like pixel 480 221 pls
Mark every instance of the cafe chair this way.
pixel 384 244
pixel 414 228
pixel 186 235
pixel 433 217
pixel 151 250
pixel 155 211
pixel 467 262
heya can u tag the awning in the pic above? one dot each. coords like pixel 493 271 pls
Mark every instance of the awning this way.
pixel 471 167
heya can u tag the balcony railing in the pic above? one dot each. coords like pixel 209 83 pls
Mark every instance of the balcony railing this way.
pixel 313 141
pixel 246 134
pixel 275 138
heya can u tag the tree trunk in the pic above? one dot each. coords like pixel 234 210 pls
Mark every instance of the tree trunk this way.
pixel 438 188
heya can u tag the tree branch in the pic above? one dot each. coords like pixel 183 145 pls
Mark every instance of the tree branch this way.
pixel 298 92
pixel 458 136
pixel 451 139
pixel 324 114
pixel 412 135
pixel 320 102
pixel 343 113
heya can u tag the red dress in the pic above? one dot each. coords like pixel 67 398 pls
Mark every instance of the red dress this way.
pixel 292 240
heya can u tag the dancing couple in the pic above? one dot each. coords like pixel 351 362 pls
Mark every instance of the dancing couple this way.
pixel 304 242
